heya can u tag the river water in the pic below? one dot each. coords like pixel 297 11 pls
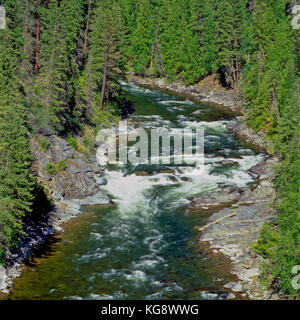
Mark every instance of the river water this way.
pixel 145 246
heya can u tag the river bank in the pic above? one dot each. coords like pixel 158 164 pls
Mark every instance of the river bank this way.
pixel 248 208
pixel 78 183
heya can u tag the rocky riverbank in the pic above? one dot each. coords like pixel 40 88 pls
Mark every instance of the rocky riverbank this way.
pixel 75 183
pixel 237 217
pixel 247 209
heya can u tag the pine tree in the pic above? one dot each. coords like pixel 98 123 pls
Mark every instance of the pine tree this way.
pixel 204 13
pixel 16 181
pixel 143 37
pixel 99 82
pixel 179 44
pixel 52 93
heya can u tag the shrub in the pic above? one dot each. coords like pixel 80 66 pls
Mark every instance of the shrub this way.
pixel 53 168
pixel 105 119
pixel 72 141
pixel 44 143
pixel 266 243
pixel 61 165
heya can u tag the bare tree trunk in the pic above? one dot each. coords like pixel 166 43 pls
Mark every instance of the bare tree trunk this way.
pixel 104 79
pixel 87 29
pixel 37 50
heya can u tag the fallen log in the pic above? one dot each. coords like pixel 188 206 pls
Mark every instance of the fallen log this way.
pixel 217 221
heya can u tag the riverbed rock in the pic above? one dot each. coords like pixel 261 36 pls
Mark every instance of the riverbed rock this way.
pixel 197 112
pixel 3 278
pixel 234 286
pixel 240 129
pixel 227 296
pixel 215 201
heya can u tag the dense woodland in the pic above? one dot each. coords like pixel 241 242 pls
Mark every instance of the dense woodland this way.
pixel 60 66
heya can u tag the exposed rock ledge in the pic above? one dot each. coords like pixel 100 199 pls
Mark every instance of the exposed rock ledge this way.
pixel 234 236
pixel 76 185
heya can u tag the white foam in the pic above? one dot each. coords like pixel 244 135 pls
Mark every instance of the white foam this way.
pixel 137 276
pixel 184 102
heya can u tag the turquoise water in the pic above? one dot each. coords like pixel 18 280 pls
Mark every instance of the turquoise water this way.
pixel 145 246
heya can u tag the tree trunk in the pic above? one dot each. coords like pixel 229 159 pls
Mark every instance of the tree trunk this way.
pixel 37 50
pixel 87 29
pixel 104 79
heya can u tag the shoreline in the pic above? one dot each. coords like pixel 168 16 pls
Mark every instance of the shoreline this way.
pixel 248 203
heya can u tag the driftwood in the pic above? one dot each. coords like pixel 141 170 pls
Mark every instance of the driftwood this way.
pixel 215 222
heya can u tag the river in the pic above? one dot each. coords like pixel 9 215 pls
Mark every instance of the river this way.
pixel 145 246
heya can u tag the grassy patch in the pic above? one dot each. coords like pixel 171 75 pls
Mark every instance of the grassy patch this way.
pixel 53 168
pixel 43 143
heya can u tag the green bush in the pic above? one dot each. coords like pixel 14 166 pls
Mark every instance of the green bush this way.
pixel 105 119
pixel 267 241
pixel 72 141
pixel 53 168
pixel 44 143
pixel 61 165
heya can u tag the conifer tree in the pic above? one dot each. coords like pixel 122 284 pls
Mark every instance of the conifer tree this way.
pixel 143 37
pixel 16 181
pixel 99 82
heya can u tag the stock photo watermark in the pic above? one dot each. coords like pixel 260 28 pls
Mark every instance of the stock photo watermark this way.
pixel 296 279
pixel 296 17
pixel 156 146
pixel 2 18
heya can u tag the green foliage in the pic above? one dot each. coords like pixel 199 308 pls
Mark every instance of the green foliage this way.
pixel 61 165
pixel 104 119
pixel 16 180
pixel 72 141
pixel 142 38
pixel 43 143
pixel 53 168
pixel 266 243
